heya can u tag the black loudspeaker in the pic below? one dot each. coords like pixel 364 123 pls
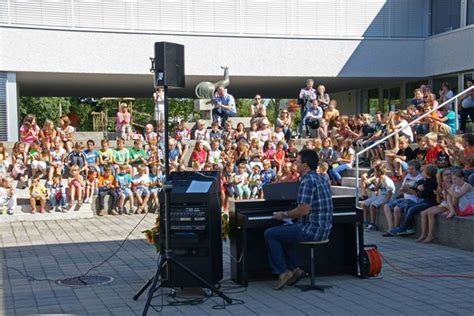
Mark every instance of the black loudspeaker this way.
pixel 169 65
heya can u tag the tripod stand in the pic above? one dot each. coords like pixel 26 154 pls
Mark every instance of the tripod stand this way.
pixel 168 258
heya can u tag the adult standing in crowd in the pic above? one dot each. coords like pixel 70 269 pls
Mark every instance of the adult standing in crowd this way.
pixel 417 98
pixel 467 107
pixel 224 106
pixel 258 110
pixel 305 100
pixel 445 94
pixel 322 97
pixel 159 99
pixel 285 121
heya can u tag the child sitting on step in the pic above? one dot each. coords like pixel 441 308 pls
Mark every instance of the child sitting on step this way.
pixel 367 179
pixel 156 179
pixel 385 189
pixel 91 185
pixel 76 186
pixel 141 183
pixel 106 185
pixel 57 157
pixel 106 155
pixel 38 193
pixel 19 160
pixel 124 186
pixel 4 161
pixel 461 195
pixel 57 194
pixel 7 197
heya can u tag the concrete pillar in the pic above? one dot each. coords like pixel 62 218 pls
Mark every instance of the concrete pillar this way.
pixel 205 106
pixel 9 107
pixel 13 104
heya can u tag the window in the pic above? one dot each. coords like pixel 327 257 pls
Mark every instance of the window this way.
pixel 373 100
pixel 451 80
pixel 467 77
pixel 445 15
pixel 391 99
pixel 470 12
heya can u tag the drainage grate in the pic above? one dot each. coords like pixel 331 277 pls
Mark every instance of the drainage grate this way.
pixel 88 280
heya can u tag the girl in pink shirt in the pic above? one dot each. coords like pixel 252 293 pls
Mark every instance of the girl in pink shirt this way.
pixel 29 131
pixel 123 122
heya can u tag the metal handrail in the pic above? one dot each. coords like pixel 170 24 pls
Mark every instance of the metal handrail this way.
pixel 455 99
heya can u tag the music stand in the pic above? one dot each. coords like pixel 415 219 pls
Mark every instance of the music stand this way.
pixel 168 258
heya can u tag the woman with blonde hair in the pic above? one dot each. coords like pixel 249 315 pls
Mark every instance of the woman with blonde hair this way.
pixel 285 121
pixel 322 97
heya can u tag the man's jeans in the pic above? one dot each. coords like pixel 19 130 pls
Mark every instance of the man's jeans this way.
pixel 410 213
pixel 281 244
pixel 223 114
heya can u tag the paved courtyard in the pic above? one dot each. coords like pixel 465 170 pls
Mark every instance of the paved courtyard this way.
pixel 57 249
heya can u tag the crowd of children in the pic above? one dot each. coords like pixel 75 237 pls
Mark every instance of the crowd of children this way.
pixel 437 178
pixel 250 158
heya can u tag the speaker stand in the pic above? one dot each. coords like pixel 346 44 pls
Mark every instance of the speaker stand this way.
pixel 169 259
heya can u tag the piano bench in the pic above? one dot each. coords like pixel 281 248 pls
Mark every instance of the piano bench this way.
pixel 313 286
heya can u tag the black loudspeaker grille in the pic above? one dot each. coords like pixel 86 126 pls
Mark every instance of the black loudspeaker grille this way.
pixel 169 65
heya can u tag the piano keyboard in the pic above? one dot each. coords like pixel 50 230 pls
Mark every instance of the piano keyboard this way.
pixel 259 218
pixel 264 218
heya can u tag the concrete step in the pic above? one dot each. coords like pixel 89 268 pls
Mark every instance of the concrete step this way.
pixel 343 190
pixel 349 181
pixel 447 231
pixel 352 172
pixel 22 213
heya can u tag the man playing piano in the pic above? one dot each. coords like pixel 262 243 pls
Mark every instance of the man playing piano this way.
pixel 314 221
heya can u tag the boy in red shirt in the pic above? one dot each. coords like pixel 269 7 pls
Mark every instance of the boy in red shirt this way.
pixel 432 148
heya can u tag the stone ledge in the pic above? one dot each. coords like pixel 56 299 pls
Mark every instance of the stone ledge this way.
pixel 457 232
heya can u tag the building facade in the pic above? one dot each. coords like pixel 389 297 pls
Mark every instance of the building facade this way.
pixel 370 54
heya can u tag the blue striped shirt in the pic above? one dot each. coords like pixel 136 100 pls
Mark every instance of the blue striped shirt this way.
pixel 316 192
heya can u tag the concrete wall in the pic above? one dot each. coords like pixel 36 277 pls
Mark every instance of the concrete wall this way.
pixel 33 50
pixel 449 52
pixel 348 101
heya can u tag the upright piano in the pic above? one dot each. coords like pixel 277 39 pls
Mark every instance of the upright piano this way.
pixel 248 220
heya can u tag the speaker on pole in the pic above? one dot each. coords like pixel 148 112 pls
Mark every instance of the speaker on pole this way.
pixel 169 65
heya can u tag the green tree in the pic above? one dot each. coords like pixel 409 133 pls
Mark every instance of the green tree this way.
pixel 181 108
pixel 243 107
pixel 83 110
pixel 44 108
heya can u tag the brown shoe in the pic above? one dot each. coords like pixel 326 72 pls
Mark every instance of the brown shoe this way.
pixel 102 212
pixel 283 280
pixel 297 275
pixel 113 212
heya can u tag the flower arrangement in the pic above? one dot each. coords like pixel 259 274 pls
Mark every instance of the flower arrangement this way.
pixel 153 235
